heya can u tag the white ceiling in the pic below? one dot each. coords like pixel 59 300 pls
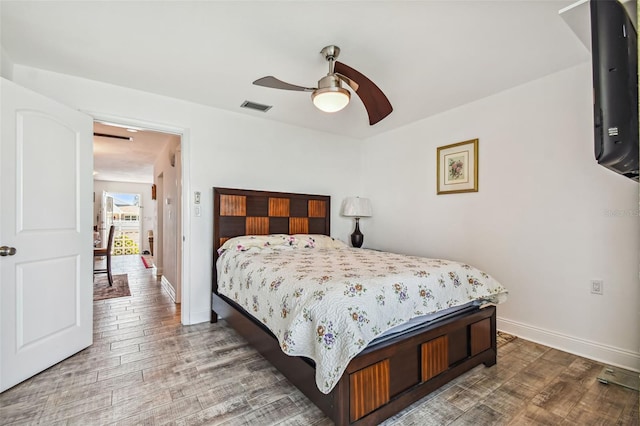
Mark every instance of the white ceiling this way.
pixel 119 160
pixel 427 56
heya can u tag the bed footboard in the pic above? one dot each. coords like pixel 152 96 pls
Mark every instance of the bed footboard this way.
pixel 385 378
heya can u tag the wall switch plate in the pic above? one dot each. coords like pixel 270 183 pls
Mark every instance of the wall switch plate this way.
pixel 597 286
pixel 196 197
pixel 196 211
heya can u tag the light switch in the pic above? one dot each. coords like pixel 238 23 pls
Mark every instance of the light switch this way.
pixel 196 211
pixel 196 197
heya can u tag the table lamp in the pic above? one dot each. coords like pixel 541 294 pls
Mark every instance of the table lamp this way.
pixel 356 207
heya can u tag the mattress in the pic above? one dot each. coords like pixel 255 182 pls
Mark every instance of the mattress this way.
pixel 422 320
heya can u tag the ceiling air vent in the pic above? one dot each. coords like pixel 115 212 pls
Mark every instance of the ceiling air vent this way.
pixel 256 106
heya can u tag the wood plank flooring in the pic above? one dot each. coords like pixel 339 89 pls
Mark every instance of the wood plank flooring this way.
pixel 146 368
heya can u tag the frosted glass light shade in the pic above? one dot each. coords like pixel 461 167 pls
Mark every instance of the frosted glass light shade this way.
pixel 331 99
pixel 356 207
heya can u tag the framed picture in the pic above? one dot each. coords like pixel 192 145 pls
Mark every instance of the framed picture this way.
pixel 153 191
pixel 458 167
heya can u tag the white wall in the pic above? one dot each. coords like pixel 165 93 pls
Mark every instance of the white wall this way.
pixel 6 65
pixel 146 204
pixel 546 220
pixel 219 148
pixel 168 179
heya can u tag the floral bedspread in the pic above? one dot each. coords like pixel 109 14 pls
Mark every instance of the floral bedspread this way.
pixel 328 304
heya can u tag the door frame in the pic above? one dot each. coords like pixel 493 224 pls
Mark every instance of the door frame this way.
pixel 185 206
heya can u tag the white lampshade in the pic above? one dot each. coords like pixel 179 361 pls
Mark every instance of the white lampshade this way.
pixel 356 207
pixel 331 99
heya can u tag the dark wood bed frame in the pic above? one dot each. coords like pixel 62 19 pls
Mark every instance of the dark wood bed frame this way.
pixel 383 379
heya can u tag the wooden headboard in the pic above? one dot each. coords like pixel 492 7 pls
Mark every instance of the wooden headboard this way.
pixel 239 212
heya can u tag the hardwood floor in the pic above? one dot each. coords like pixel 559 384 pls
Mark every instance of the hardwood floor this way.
pixel 146 368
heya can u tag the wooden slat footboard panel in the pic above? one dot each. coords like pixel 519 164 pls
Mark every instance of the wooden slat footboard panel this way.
pixel 435 358
pixel 480 336
pixel 368 389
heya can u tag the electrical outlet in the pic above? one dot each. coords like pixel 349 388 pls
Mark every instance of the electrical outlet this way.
pixel 597 286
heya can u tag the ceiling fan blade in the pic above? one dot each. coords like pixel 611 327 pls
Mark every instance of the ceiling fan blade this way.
pixel 376 103
pixel 274 83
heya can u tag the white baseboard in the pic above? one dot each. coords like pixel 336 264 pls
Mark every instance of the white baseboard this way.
pixel 166 286
pixel 198 317
pixel 596 351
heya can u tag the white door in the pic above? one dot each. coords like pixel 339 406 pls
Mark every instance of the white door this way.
pixel 46 162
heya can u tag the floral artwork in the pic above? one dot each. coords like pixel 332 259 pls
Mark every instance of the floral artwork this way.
pixel 328 304
pixel 457 167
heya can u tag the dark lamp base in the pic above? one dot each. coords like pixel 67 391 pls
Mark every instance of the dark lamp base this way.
pixel 357 238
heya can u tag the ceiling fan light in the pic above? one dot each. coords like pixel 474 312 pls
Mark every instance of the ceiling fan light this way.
pixel 331 99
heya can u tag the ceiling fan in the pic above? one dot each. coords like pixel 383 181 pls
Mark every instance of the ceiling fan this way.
pixel 330 96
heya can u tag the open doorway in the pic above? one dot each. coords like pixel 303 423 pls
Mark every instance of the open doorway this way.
pixel 126 215
pixel 136 168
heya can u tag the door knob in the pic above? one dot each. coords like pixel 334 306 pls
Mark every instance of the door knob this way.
pixel 7 251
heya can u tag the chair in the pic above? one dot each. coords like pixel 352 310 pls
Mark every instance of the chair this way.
pixel 105 252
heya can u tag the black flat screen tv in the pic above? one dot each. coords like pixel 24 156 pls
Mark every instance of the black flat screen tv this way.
pixel 614 49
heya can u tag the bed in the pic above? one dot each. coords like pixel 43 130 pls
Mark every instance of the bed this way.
pixel 385 375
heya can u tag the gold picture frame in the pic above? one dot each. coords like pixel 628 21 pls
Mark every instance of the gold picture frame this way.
pixel 457 167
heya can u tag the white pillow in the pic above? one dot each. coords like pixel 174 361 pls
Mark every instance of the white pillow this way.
pixel 246 242
pixel 317 241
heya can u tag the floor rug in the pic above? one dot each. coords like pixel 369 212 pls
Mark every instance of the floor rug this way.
pixel 102 290
pixel 147 263
pixel 504 338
